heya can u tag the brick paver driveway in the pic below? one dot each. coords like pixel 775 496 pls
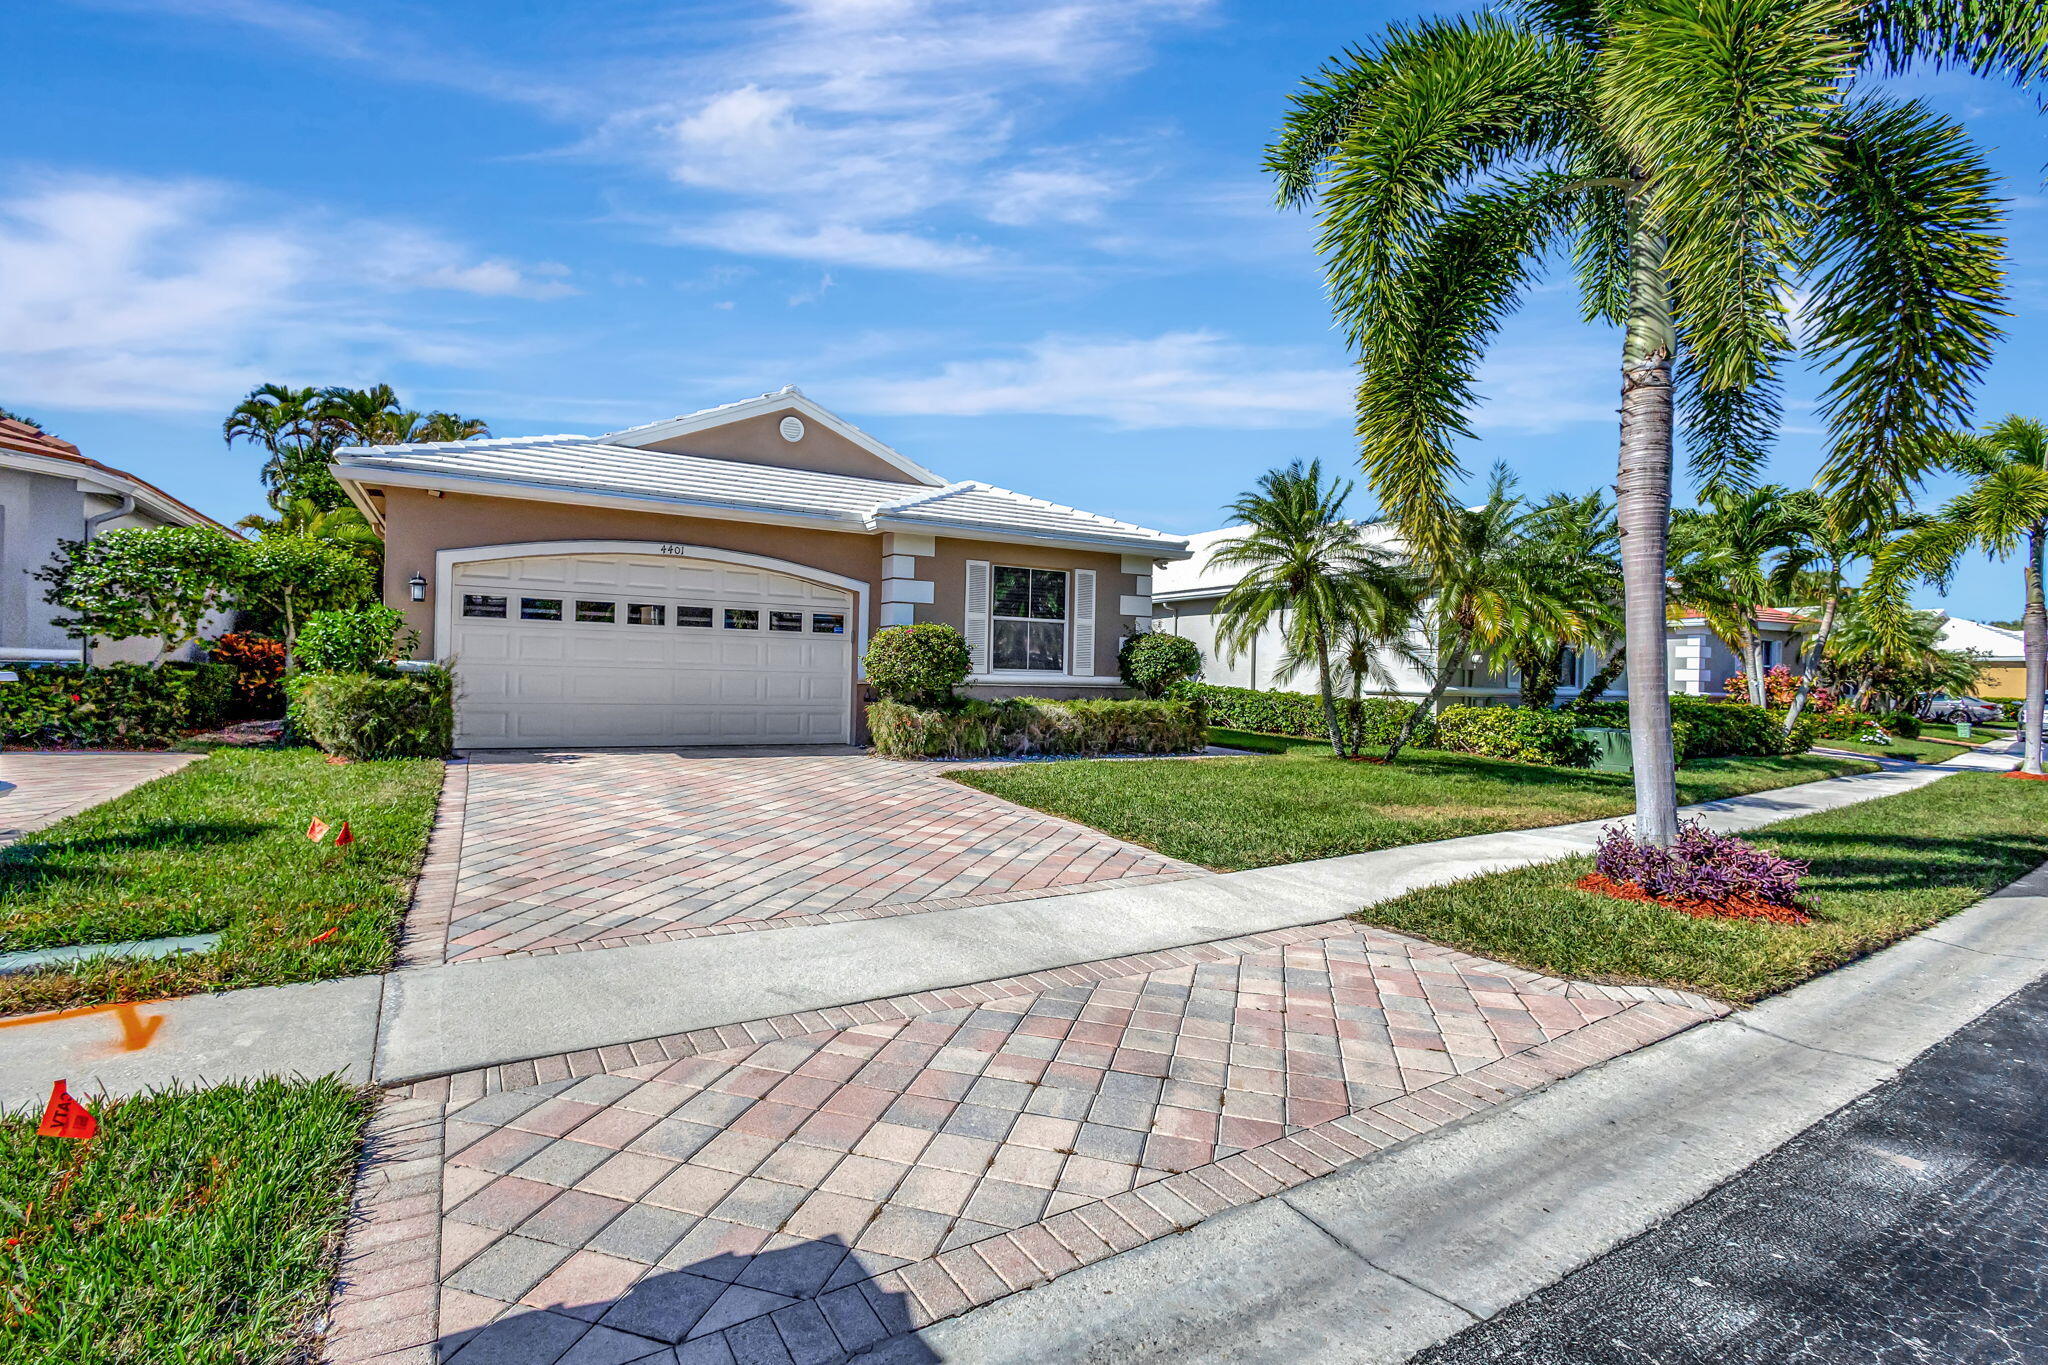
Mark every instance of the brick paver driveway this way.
pixel 574 850
pixel 795 1189
pixel 49 784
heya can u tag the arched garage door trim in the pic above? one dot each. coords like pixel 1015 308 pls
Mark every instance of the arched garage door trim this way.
pixel 445 562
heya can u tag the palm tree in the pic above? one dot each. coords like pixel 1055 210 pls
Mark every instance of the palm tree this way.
pixel 1703 163
pixel 285 423
pixel 1889 655
pixel 1572 547
pixel 1723 557
pixel 444 426
pixel 1824 538
pixel 1487 593
pixel 2003 511
pixel 1308 565
pixel 373 417
pixel 343 526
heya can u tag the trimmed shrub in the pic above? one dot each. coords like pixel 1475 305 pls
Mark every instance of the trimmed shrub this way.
pixel 1022 726
pixel 119 704
pixel 1904 724
pixel 1152 663
pixel 1838 725
pixel 1377 719
pixel 917 666
pixel 205 691
pixel 363 715
pixel 354 641
pixel 1524 734
pixel 258 665
pixel 1700 865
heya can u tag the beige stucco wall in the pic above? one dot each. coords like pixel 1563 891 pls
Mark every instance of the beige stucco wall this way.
pixel 2002 680
pixel 946 569
pixel 758 440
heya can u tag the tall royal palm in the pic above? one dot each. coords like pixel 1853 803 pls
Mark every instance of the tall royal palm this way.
pixel 1307 565
pixel 2003 512
pixel 1703 162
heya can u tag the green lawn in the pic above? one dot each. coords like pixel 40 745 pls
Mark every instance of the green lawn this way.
pixel 220 845
pixel 1910 750
pixel 1233 813
pixel 199 1227
pixel 1881 870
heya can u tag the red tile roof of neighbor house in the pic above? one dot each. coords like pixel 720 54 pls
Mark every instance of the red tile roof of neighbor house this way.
pixel 1771 616
pixel 28 440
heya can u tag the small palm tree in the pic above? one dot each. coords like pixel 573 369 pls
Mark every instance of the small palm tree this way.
pixel 1723 558
pixel 1825 536
pixel 1573 545
pixel 285 423
pixel 2003 512
pixel 1487 593
pixel 343 526
pixel 1306 564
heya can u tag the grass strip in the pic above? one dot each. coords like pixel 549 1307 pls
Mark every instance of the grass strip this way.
pixel 199 1226
pixel 1299 804
pixel 220 845
pixel 1881 870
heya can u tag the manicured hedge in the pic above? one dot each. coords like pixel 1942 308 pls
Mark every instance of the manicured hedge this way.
pixel 917 665
pixel 1702 728
pixel 1300 714
pixel 119 704
pixel 1522 733
pixel 1020 726
pixel 366 715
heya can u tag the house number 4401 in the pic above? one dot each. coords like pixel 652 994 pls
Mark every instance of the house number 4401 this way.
pixel 673 549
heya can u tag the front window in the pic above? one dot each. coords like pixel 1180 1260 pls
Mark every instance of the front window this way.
pixel 1030 620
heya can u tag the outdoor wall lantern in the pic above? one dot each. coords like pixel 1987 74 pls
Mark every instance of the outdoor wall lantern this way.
pixel 418 584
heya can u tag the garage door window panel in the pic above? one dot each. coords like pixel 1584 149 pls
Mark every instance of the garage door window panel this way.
pixel 597 613
pixel 483 605
pixel 742 618
pixel 1029 625
pixel 694 618
pixel 828 623
pixel 645 613
pixel 540 608
pixel 786 620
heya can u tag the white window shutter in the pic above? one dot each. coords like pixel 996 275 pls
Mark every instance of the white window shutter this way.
pixel 1082 665
pixel 977 614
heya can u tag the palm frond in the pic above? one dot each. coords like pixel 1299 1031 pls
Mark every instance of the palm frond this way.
pixel 1906 295
pixel 1985 37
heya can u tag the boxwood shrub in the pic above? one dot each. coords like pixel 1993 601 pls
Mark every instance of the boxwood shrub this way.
pixel 1021 726
pixel 1522 733
pixel 375 715
pixel 119 704
pixel 917 665
pixel 1151 663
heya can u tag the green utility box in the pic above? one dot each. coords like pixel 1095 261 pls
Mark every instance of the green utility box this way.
pixel 1617 754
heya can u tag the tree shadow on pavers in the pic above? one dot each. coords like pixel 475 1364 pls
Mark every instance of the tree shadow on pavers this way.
pixel 807 1300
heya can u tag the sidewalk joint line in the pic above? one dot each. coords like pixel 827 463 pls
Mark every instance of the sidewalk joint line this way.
pixel 1287 1199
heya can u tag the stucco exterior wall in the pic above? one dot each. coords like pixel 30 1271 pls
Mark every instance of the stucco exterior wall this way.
pixel 2002 680
pixel 946 570
pixel 758 440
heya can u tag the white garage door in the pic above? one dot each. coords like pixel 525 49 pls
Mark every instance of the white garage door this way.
pixel 644 649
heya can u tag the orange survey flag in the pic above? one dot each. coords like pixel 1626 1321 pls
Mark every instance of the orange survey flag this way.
pixel 317 830
pixel 65 1117
pixel 345 838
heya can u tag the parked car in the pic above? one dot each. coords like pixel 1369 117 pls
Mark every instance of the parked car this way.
pixel 1941 706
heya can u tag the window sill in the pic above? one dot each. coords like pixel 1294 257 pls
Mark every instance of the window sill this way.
pixel 1046 679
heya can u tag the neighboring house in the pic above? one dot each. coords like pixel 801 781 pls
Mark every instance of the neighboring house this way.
pixel 714 578
pixel 1701 662
pixel 1187 597
pixel 2003 671
pixel 48 493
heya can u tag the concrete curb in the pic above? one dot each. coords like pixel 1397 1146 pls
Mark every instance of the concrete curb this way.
pixel 1393 1254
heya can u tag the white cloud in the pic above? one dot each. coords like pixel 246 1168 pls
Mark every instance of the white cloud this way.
pixel 166 295
pixel 1543 389
pixel 1175 379
pixel 828 243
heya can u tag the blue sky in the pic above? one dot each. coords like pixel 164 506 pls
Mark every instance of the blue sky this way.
pixel 1025 243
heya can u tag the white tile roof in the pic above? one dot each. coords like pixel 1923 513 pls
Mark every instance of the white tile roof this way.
pixel 1195 576
pixel 590 464
pixel 1999 642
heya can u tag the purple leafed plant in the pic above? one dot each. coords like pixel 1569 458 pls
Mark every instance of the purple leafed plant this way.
pixel 1699 865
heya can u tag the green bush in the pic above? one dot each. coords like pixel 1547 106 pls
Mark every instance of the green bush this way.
pixel 354 641
pixel 917 665
pixel 1843 724
pixel 205 693
pixel 363 715
pixel 1525 734
pixel 258 665
pixel 119 704
pixel 1019 726
pixel 1904 724
pixel 1152 663
pixel 1376 719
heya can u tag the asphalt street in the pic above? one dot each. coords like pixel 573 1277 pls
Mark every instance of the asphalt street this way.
pixel 1910 1226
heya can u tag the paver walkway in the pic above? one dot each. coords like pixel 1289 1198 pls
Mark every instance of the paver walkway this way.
pixel 801 1187
pixel 51 784
pixel 561 851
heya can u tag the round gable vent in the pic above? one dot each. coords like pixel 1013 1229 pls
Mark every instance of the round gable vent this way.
pixel 792 428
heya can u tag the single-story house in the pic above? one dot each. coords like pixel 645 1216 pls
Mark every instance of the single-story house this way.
pixel 714 578
pixel 49 493
pixel 2003 671
pixel 1188 594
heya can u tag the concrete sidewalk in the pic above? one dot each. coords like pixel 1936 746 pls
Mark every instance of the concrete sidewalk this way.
pixel 430 1021
pixel 1390 1255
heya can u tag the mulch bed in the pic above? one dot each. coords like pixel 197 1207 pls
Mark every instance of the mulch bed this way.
pixel 1738 908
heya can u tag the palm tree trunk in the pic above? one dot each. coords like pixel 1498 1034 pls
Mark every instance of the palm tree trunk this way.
pixel 1427 706
pixel 1643 510
pixel 1753 661
pixel 1815 652
pixel 1329 697
pixel 2034 630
